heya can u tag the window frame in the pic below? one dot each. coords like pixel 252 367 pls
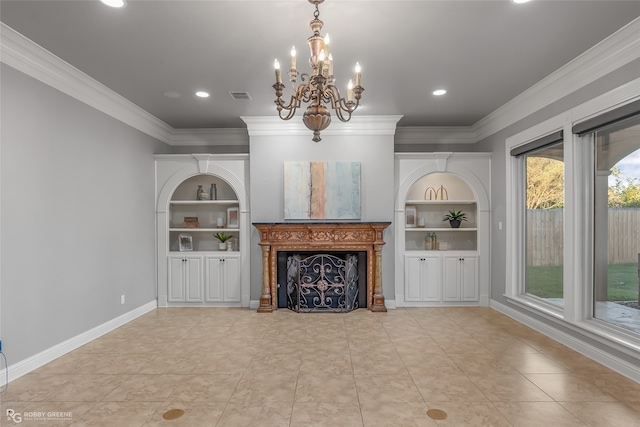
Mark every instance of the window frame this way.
pixel 577 313
pixel 516 217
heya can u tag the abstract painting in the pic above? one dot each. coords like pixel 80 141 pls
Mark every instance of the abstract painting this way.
pixel 322 190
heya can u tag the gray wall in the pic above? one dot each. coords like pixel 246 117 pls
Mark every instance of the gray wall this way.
pixel 496 145
pixel 268 155
pixel 77 218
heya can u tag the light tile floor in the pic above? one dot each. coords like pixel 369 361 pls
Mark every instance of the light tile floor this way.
pixel 235 367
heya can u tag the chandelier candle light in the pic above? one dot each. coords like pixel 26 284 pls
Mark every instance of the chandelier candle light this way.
pixel 318 87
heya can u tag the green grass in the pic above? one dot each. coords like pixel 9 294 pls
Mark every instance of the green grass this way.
pixel 546 282
pixel 623 282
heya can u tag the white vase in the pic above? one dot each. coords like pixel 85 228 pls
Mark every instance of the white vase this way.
pixel 222 246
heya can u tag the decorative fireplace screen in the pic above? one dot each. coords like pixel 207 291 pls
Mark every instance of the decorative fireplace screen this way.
pixel 322 282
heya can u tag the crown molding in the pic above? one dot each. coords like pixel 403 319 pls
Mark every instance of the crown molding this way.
pixel 358 125
pixel 438 155
pixel 613 52
pixel 619 49
pixel 209 136
pixel 435 135
pixel 24 55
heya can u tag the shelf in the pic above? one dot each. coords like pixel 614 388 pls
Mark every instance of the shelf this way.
pixel 440 202
pixel 424 252
pixel 211 252
pixel 203 202
pixel 218 230
pixel 439 229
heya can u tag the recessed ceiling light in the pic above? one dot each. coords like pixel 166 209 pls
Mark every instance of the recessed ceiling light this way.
pixel 114 3
pixel 439 92
pixel 520 1
pixel 202 94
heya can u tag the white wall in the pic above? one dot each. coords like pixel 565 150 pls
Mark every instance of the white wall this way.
pixel 77 217
pixel 272 142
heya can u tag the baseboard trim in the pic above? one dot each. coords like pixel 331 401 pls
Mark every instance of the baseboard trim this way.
pixel 610 361
pixel 32 363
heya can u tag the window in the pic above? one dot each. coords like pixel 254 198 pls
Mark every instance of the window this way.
pixel 544 219
pixel 535 212
pixel 616 224
pixel 592 243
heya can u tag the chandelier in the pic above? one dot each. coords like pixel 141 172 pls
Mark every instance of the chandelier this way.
pixel 317 88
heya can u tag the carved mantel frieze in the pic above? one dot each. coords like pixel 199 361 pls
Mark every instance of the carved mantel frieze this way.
pixel 357 236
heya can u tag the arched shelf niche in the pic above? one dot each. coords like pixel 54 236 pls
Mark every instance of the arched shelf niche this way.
pixel 465 180
pixel 177 199
pixel 464 175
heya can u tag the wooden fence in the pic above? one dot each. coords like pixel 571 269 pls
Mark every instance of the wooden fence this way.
pixel 544 236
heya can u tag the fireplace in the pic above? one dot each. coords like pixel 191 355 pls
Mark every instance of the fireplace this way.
pixel 364 238
pixel 331 281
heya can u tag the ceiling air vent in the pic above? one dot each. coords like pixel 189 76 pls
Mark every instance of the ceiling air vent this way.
pixel 240 96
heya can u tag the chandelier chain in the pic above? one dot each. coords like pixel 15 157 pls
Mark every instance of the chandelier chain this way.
pixel 316 14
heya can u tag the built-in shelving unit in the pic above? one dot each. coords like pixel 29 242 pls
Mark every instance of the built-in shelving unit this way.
pixel 454 271
pixel 193 269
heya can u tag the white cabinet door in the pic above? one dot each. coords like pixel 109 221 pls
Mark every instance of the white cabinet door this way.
pixel 459 278
pixel 469 278
pixel 213 284
pixel 413 278
pixel 231 279
pixel 422 278
pixel 431 279
pixel 450 278
pixel 193 279
pixel 185 279
pixel 176 291
pixel 223 279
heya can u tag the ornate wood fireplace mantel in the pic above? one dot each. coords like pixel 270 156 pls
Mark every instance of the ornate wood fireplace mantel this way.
pixel 321 237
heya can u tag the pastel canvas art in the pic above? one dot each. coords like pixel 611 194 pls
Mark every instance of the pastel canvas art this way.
pixel 322 190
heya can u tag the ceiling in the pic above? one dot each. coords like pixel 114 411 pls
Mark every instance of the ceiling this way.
pixel 484 53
